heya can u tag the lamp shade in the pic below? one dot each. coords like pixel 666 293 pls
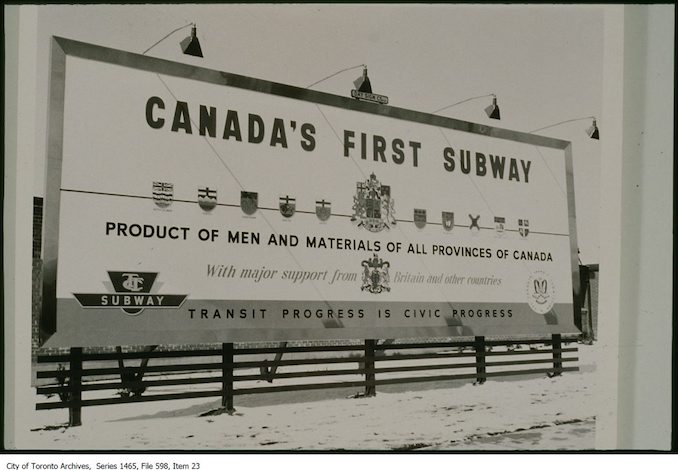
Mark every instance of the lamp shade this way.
pixel 362 83
pixel 191 45
pixel 493 109
pixel 593 131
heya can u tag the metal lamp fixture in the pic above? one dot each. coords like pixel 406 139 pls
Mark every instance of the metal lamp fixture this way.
pixel 492 110
pixel 189 46
pixel 363 87
pixel 362 83
pixel 592 131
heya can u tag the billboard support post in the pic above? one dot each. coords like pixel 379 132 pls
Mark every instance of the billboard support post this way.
pixel 480 359
pixel 591 335
pixel 75 383
pixel 556 345
pixel 587 336
pixel 227 376
pixel 370 386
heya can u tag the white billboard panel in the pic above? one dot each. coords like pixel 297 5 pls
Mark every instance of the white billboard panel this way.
pixel 187 205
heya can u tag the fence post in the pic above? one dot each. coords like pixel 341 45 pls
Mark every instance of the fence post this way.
pixel 479 345
pixel 370 387
pixel 227 376
pixel 556 344
pixel 75 386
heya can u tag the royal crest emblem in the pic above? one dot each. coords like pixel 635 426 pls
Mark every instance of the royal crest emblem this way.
pixel 499 225
pixel 523 227
pixel 375 275
pixel 448 220
pixel 287 206
pixel 420 218
pixel 323 209
pixel 207 198
pixel 249 202
pixel 373 207
pixel 475 222
pixel 163 194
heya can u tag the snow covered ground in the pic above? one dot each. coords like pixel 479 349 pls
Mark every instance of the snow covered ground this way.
pixel 537 413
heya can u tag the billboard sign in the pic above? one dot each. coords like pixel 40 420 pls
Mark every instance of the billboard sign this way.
pixel 190 205
pixel 363 95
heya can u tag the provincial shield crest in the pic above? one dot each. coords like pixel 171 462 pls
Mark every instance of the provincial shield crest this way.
pixel 448 220
pixel 375 275
pixel 323 210
pixel 249 202
pixel 499 225
pixel 474 222
pixel 207 198
pixel 420 218
pixel 287 206
pixel 523 227
pixel 163 194
pixel 373 207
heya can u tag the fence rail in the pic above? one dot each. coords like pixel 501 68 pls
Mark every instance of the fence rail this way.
pixel 229 371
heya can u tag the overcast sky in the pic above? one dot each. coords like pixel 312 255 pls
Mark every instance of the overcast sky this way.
pixel 543 62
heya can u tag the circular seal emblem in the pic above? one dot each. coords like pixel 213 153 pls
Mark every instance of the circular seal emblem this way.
pixel 540 292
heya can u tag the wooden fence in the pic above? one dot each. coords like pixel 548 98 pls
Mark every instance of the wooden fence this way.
pixel 230 371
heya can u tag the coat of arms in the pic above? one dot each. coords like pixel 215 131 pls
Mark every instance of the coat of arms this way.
pixel 373 206
pixel 474 222
pixel 249 202
pixel 523 227
pixel 448 220
pixel 163 194
pixel 207 198
pixel 323 209
pixel 287 206
pixel 420 218
pixel 375 275
pixel 499 225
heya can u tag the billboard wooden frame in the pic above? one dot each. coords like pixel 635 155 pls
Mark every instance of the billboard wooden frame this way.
pixel 62 47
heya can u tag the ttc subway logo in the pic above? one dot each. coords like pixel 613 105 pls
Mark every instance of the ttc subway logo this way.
pixel 132 294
